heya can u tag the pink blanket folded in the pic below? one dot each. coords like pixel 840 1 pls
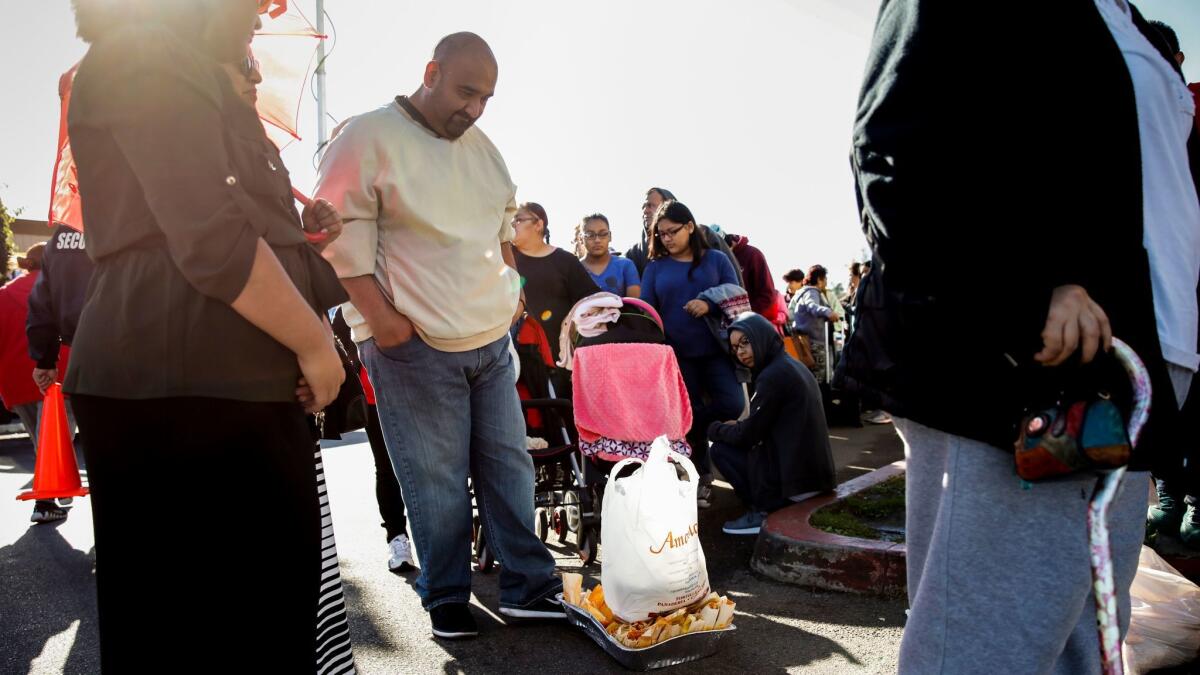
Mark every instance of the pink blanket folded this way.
pixel 630 392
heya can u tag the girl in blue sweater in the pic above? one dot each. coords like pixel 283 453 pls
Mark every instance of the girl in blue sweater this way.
pixel 681 268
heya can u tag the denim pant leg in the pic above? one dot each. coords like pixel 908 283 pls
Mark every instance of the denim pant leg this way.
pixel 387 486
pixel 734 465
pixel 726 397
pixel 710 378
pixel 697 437
pixel 502 473
pixel 424 400
pixel 30 414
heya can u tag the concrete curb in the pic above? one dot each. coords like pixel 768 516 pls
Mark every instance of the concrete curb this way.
pixel 791 550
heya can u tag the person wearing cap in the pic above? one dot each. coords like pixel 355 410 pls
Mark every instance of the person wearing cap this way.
pixel 639 253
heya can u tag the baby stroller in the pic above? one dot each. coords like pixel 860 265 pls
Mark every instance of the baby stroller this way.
pixel 562 496
pixel 628 389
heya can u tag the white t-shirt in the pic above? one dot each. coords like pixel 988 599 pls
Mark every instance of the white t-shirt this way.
pixel 1170 209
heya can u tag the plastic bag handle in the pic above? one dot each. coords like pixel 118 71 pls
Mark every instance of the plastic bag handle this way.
pixel 664 452
pixel 616 471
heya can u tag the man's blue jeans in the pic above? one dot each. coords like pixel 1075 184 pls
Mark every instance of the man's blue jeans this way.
pixel 446 416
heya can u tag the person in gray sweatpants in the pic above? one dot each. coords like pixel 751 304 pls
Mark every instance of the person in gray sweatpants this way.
pixel 1081 228
pixel 983 548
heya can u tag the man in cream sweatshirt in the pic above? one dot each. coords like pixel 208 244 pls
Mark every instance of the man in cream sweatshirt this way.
pixel 426 258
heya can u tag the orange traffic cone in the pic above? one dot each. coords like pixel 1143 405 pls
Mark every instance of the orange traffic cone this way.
pixel 55 475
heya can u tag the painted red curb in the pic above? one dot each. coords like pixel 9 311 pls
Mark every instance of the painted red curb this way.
pixel 791 550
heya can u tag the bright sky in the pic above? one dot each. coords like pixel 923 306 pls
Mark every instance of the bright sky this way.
pixel 744 110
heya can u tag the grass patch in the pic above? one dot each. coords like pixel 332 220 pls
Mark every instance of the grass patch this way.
pixel 846 517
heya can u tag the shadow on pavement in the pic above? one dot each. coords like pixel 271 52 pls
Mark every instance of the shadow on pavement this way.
pixel 48 587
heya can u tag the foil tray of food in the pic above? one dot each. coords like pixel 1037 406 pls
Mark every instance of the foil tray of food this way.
pixel 688 634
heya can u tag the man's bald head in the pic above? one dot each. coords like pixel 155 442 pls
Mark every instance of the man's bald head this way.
pixel 459 81
pixel 464 45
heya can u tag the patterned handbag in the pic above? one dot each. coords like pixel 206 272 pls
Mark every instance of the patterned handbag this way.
pixel 1075 436
pixel 1090 435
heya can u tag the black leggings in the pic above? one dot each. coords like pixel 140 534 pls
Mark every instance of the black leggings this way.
pixel 208 533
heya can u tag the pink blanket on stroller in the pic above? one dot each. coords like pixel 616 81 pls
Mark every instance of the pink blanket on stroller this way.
pixel 629 392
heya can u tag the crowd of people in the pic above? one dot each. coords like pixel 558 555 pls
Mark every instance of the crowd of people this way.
pixel 416 234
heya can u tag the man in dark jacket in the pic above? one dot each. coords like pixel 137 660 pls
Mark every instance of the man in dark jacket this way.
pixel 756 276
pixel 1011 174
pixel 780 453
pixel 639 253
pixel 57 301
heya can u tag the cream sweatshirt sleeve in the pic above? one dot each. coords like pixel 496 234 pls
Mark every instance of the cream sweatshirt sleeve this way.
pixel 510 211
pixel 347 177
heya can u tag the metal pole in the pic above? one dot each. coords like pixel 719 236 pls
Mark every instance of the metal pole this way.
pixel 322 132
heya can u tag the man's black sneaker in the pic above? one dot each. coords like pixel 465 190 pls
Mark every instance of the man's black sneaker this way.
pixel 453 621
pixel 546 608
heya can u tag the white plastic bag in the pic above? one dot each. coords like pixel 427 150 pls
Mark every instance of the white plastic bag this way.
pixel 653 562
pixel 1164 626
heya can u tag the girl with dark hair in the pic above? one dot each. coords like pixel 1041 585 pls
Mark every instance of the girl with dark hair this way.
pixel 681 268
pixel 554 280
pixel 200 349
pixel 639 253
pixel 612 273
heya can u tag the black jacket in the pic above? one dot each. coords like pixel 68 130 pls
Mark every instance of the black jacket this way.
pixel 1029 173
pixel 56 300
pixel 785 433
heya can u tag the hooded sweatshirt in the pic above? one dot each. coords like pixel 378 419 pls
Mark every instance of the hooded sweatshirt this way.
pixel 755 275
pixel 785 434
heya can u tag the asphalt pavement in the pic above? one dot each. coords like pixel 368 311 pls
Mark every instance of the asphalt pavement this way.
pixel 48 608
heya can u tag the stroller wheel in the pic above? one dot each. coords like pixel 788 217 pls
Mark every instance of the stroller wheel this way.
pixel 571 502
pixel 541 523
pixel 588 545
pixel 560 524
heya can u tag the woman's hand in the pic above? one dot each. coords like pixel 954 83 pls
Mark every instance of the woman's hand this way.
pixel 1074 321
pixel 322 376
pixel 322 223
pixel 697 308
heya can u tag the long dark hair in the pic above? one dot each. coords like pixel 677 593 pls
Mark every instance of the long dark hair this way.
pixel 676 212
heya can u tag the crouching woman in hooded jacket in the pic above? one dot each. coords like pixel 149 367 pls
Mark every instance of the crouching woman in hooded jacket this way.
pixel 780 453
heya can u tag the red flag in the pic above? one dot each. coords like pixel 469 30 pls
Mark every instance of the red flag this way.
pixel 65 206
